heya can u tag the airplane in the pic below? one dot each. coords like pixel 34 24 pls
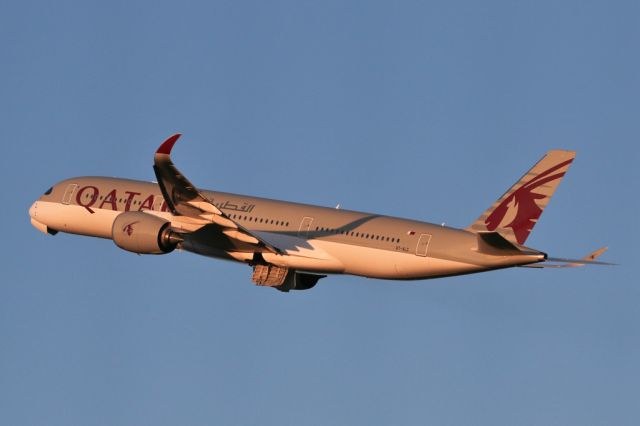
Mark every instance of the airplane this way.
pixel 291 246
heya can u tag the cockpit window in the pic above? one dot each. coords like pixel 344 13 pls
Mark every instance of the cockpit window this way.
pixel 48 191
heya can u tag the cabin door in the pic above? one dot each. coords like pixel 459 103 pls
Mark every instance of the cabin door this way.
pixel 68 193
pixel 305 226
pixel 423 245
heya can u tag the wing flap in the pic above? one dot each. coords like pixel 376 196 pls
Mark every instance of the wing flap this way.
pixel 240 236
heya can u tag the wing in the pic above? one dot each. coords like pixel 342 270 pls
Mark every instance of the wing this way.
pixel 186 201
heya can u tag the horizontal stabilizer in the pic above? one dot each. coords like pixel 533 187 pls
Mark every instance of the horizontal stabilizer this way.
pixel 555 262
pixel 589 259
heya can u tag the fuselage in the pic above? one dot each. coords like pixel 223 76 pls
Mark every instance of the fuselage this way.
pixel 315 239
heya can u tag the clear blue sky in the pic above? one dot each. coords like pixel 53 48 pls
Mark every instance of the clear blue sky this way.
pixel 415 109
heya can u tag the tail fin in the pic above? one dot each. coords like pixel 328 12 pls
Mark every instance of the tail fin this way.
pixel 515 214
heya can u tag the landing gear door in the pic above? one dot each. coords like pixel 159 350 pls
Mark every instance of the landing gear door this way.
pixel 305 226
pixel 68 193
pixel 423 245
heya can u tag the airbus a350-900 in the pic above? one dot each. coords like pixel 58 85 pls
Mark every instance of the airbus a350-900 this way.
pixel 292 245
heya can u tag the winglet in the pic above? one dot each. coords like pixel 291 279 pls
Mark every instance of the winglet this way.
pixel 167 145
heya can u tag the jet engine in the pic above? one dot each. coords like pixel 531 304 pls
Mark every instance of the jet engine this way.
pixel 143 233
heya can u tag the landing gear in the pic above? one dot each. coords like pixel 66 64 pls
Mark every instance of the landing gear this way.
pixel 269 275
pixel 280 277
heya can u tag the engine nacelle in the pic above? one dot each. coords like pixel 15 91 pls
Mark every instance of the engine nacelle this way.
pixel 143 233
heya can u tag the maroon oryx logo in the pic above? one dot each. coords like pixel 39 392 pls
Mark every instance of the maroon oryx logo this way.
pixel 128 229
pixel 521 206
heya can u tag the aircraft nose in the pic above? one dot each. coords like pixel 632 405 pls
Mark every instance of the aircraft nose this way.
pixel 33 210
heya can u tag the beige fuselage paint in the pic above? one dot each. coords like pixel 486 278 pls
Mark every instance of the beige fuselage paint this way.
pixel 314 239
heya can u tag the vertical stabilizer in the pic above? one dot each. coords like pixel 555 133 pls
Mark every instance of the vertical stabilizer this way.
pixel 515 214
